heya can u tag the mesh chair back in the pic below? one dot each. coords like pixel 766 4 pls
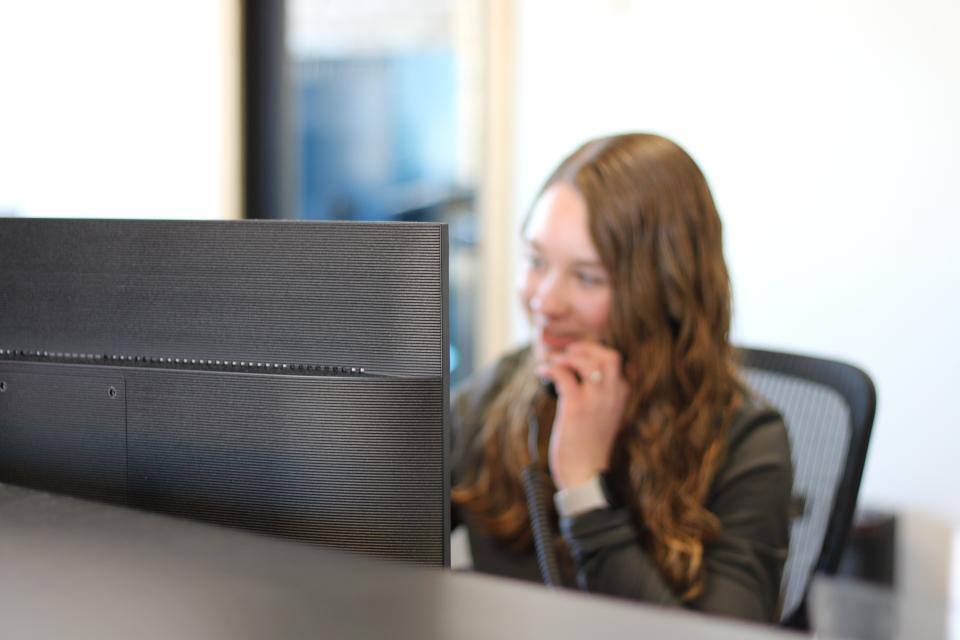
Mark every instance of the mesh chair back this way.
pixel 828 408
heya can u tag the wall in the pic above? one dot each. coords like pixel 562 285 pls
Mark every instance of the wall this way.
pixel 829 133
pixel 119 109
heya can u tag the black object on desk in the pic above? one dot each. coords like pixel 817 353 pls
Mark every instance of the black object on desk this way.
pixel 870 553
pixel 286 377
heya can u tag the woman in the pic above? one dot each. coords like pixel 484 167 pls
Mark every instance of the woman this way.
pixel 672 481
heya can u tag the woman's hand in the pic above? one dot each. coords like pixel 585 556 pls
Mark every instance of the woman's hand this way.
pixel 592 394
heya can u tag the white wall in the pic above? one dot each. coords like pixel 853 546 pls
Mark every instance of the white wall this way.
pixel 110 108
pixel 830 133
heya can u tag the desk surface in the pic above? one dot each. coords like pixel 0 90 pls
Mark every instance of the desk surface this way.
pixel 79 569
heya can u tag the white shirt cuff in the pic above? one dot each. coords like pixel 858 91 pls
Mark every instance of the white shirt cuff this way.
pixel 588 496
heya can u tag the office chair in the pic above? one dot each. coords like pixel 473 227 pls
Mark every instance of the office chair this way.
pixel 828 408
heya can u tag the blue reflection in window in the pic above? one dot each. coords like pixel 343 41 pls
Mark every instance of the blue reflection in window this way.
pixel 378 135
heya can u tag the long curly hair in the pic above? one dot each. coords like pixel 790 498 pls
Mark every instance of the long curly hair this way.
pixel 655 227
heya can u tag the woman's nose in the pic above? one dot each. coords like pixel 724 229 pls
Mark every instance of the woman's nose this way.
pixel 549 298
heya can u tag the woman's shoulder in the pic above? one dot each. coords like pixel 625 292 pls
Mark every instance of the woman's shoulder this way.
pixel 754 414
pixel 757 437
pixel 472 397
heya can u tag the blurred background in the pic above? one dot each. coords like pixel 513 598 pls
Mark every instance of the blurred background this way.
pixel 828 131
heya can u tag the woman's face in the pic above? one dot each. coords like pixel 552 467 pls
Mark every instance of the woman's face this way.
pixel 564 287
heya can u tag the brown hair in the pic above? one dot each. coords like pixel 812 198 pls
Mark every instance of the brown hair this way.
pixel 656 229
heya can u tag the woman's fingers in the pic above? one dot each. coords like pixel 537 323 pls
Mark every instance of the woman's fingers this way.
pixel 606 359
pixel 591 366
pixel 585 369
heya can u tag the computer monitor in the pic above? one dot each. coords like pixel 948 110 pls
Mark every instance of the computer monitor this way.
pixel 285 377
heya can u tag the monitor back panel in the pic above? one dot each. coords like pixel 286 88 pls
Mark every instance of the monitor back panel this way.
pixel 285 377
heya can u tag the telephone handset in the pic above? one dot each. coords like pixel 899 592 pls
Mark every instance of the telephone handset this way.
pixel 534 485
pixel 548 387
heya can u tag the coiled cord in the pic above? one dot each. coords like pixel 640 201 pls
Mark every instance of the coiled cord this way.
pixel 534 486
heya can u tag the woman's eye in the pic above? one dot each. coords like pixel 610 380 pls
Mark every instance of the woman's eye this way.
pixel 536 262
pixel 589 278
